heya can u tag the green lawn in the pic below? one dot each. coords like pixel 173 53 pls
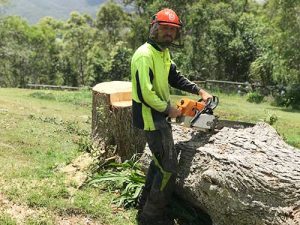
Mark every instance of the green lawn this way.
pixel 40 132
pixel 38 135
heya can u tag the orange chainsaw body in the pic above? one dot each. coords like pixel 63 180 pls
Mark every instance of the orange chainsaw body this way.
pixel 189 107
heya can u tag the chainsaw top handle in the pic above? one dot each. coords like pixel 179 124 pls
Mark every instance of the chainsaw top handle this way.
pixel 211 103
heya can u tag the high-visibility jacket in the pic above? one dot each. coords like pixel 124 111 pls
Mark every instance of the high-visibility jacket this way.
pixel 152 71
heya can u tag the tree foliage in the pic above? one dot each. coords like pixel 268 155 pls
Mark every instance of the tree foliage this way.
pixel 285 40
pixel 77 42
pixel 112 19
pixel 235 40
pixel 15 51
pixel 2 2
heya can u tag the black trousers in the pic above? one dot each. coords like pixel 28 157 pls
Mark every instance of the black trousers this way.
pixel 161 175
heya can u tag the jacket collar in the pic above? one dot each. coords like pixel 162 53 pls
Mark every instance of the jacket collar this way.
pixel 154 44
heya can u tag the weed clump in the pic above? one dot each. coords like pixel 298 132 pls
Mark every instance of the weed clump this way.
pixel 255 97
pixel 125 179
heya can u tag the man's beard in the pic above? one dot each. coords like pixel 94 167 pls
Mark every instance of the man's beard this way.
pixel 163 44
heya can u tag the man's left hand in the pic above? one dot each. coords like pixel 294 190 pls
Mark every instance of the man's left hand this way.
pixel 204 95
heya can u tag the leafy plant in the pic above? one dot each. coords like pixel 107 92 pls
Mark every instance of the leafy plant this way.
pixel 290 97
pixel 271 118
pixel 85 144
pixel 255 97
pixel 126 179
pixel 293 96
pixel 73 127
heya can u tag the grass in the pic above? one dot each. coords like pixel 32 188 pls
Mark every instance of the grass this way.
pixel 40 134
pixel 6 219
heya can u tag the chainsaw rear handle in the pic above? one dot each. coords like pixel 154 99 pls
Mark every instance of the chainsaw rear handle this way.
pixel 188 107
pixel 193 108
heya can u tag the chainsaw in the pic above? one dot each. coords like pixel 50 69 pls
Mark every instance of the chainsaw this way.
pixel 200 114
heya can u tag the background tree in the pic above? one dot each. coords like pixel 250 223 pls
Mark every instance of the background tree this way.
pixel 52 31
pixel 138 30
pixel 77 41
pixel 120 59
pixel 45 60
pixel 109 58
pixel 284 17
pixel 219 42
pixel 112 19
pixel 279 58
pixel 15 52
pixel 3 2
pixel 98 64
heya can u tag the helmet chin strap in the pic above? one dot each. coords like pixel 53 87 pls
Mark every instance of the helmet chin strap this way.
pixel 176 45
pixel 163 45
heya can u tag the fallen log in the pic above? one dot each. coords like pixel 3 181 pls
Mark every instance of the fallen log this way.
pixel 246 176
pixel 112 132
pixel 240 176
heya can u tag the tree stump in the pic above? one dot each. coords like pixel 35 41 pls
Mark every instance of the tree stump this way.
pixel 244 176
pixel 112 132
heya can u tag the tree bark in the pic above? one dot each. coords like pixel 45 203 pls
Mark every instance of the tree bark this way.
pixel 244 176
pixel 112 132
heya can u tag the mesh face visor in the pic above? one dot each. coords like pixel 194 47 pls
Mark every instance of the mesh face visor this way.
pixel 153 34
pixel 178 41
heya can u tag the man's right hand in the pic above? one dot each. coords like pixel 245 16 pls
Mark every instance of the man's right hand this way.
pixel 174 112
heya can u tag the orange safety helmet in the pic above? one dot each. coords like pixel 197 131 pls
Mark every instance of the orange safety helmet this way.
pixel 167 17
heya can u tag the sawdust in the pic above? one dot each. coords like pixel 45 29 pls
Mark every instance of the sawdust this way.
pixel 6 146
pixel 77 172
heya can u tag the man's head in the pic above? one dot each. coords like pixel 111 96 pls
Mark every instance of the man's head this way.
pixel 165 27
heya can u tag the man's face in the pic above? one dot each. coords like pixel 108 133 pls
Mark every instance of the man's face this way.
pixel 166 34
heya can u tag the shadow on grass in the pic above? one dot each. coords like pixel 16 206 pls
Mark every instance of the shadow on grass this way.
pixel 290 110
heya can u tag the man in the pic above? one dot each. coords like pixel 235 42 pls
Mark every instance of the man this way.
pixel 152 71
